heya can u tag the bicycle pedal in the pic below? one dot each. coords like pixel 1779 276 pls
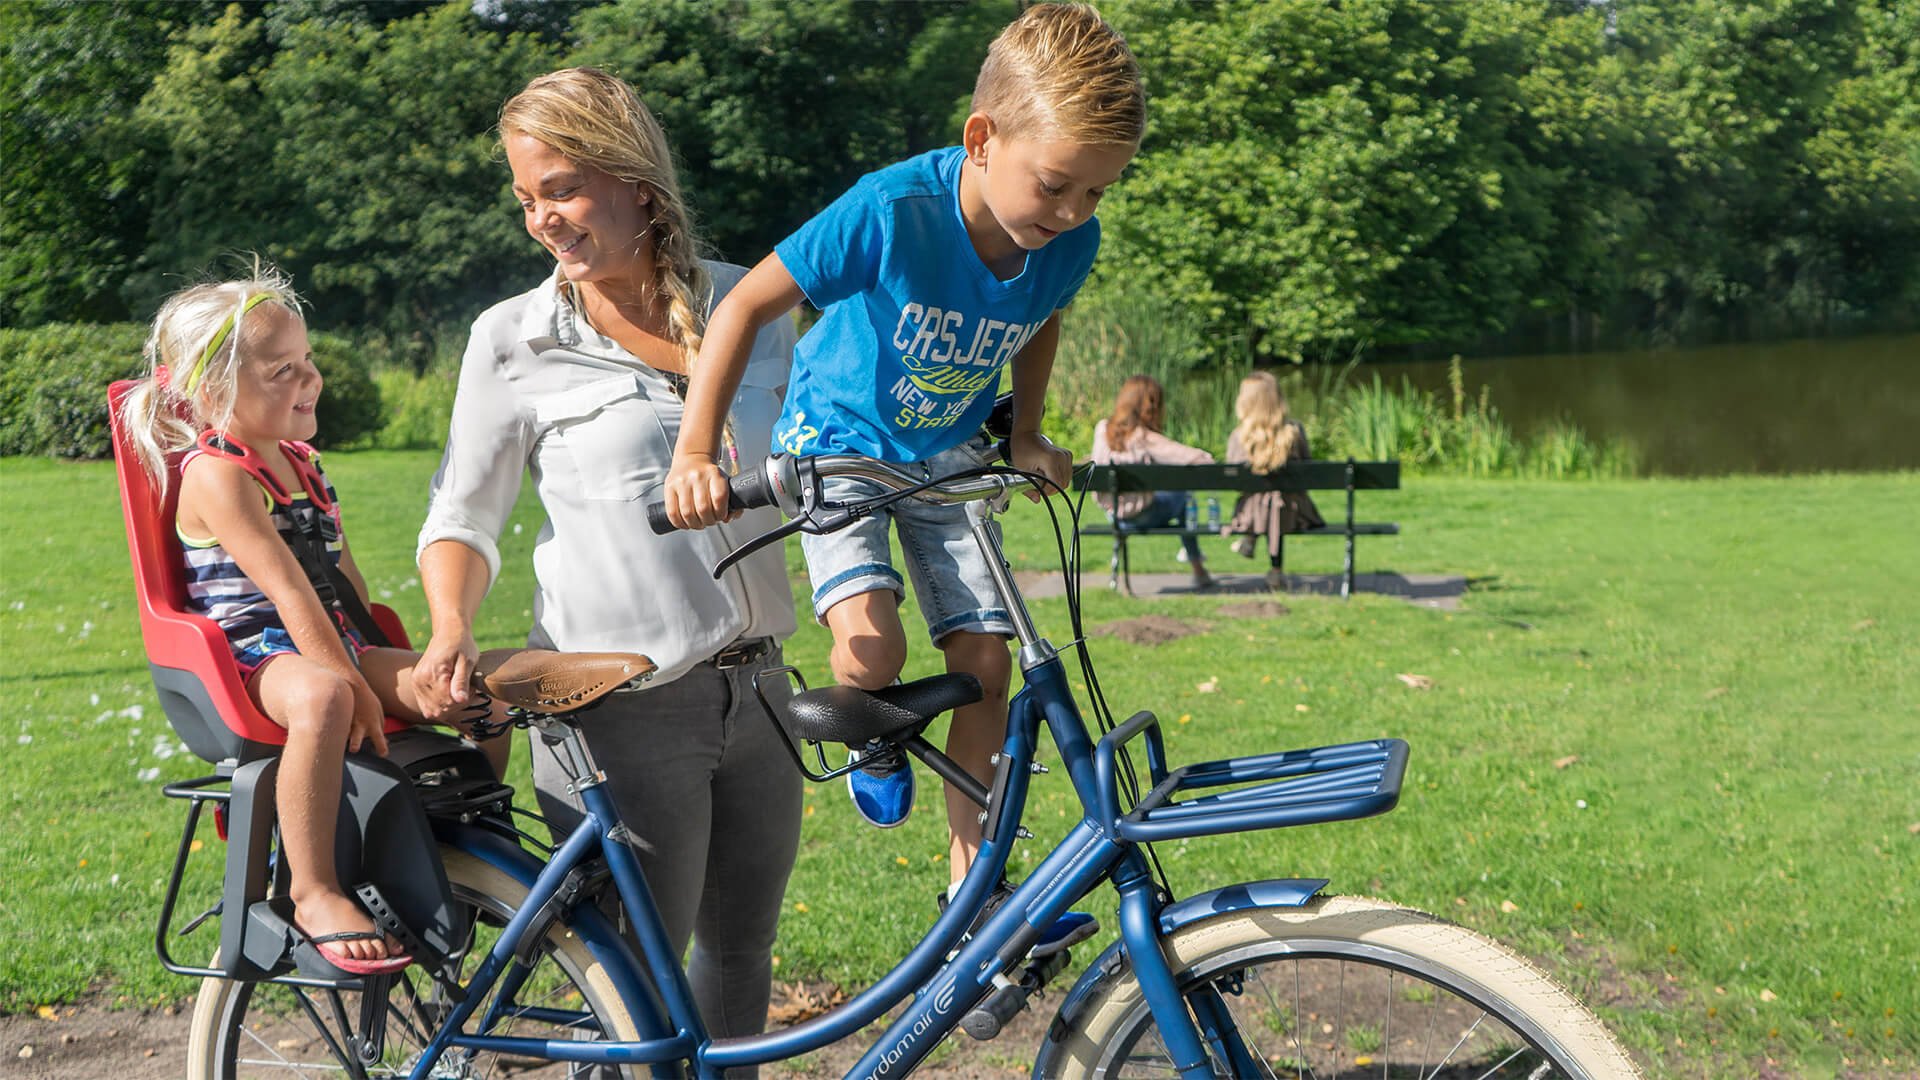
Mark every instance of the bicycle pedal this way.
pixel 987 1019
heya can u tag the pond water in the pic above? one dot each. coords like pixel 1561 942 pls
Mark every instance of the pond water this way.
pixel 1797 406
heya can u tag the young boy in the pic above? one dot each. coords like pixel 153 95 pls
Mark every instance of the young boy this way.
pixel 931 276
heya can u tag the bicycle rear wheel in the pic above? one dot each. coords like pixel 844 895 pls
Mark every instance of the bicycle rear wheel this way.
pixel 269 1031
pixel 1344 986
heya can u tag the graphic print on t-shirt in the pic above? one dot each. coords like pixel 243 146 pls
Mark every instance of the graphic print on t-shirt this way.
pixel 941 379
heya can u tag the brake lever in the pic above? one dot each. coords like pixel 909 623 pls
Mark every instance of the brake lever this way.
pixel 806 523
pixel 786 529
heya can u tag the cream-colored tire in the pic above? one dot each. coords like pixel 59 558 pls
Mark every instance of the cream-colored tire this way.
pixel 245 1030
pixel 1346 986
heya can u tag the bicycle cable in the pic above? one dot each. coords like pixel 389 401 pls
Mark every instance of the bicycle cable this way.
pixel 1069 555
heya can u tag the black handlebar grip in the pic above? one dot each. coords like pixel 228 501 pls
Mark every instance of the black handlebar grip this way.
pixel 746 491
pixel 749 490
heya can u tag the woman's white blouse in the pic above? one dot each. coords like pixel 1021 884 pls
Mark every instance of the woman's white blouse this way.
pixel 541 390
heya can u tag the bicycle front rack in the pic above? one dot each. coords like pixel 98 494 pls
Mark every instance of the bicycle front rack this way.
pixel 1293 787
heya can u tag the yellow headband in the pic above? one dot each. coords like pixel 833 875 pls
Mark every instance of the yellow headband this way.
pixel 220 338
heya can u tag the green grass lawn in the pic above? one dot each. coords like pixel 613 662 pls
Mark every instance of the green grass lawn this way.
pixel 1671 749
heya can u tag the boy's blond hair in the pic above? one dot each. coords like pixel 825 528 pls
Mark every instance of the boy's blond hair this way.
pixel 1060 72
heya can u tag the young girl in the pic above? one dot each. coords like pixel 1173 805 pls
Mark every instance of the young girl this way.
pixel 233 384
pixel 1131 436
pixel 1267 438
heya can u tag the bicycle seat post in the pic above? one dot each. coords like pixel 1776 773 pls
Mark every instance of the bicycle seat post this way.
pixel 570 747
pixel 1034 649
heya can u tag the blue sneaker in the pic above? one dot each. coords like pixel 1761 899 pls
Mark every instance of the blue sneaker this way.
pixel 883 795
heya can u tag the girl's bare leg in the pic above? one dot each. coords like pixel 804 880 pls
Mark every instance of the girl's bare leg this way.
pixel 315 705
pixel 390 673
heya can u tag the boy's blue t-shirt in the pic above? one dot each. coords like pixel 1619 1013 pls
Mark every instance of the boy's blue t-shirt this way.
pixel 914 330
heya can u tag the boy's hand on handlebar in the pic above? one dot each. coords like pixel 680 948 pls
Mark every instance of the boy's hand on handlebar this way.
pixel 1030 451
pixel 695 493
pixel 443 677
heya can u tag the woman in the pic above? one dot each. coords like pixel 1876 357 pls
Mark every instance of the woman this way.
pixel 1131 436
pixel 1267 438
pixel 579 380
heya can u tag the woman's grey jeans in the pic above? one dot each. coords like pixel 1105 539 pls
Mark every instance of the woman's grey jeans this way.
pixel 713 801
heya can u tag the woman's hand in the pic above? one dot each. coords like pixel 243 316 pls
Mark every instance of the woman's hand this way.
pixel 369 720
pixel 695 493
pixel 1030 451
pixel 443 677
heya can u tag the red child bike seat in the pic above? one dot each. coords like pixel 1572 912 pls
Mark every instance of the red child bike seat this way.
pixel 193 670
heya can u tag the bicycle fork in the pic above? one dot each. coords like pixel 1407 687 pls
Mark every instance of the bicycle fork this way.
pixel 1188 1035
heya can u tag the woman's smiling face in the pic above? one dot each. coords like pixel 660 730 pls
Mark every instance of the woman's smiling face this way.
pixel 592 221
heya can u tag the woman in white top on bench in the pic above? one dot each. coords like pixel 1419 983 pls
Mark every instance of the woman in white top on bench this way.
pixel 1131 436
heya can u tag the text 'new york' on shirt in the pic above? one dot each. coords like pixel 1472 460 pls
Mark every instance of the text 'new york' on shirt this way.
pixel 914 330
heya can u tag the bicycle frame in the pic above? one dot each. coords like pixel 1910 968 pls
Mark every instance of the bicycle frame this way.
pixel 1296 787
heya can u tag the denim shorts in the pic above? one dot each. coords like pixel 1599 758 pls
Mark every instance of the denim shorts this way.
pixel 251 654
pixel 950 575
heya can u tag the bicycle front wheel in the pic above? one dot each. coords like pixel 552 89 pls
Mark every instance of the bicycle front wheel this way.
pixel 1343 986
pixel 270 1031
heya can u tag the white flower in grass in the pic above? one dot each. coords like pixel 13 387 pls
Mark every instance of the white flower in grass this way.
pixel 134 712
pixel 148 776
pixel 24 740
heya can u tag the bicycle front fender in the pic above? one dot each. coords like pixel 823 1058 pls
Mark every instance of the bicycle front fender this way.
pixel 1112 964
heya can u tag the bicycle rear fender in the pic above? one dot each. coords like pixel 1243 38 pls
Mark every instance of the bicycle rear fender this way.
pixel 585 920
pixel 1278 892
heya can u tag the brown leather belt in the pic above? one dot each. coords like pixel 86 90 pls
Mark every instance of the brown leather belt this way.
pixel 741 653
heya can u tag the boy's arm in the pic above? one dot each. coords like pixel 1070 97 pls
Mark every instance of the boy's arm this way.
pixel 696 487
pixel 1028 449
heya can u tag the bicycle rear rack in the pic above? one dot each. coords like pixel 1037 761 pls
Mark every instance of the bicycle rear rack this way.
pixel 1293 787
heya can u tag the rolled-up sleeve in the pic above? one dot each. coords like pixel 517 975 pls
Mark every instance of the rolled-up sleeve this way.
pixel 487 449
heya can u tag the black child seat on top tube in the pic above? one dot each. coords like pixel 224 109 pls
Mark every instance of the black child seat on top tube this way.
pixel 846 714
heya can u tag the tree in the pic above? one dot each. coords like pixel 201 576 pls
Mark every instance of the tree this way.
pixel 367 157
pixel 775 109
pixel 72 217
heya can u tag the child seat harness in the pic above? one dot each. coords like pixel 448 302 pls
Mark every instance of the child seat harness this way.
pixel 303 536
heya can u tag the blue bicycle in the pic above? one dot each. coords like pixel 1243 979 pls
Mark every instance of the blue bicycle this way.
pixel 527 970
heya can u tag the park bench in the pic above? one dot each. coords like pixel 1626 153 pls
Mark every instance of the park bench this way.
pixel 1348 476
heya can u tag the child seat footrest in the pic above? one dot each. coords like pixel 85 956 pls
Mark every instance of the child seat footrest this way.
pixel 1295 787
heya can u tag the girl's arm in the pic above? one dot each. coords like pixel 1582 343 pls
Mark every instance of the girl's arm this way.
pixel 227 502
pixel 696 487
pixel 1028 449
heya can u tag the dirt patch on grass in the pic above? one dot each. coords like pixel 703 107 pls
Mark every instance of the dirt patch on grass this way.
pixel 1147 630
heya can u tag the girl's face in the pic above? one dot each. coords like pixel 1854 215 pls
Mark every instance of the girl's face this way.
pixel 1037 190
pixel 276 386
pixel 592 221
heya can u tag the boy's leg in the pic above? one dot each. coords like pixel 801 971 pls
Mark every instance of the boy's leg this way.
pixel 315 705
pixel 975 734
pixel 857 594
pixel 869 644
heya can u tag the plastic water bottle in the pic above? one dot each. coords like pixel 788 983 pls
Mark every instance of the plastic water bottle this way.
pixel 1213 515
pixel 1192 519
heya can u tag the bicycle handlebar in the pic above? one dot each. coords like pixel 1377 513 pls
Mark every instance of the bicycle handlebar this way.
pixel 780 481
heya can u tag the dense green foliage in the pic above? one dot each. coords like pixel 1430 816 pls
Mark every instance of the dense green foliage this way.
pixel 53 387
pixel 1317 179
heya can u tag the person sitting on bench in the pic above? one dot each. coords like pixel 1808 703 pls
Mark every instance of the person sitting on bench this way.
pixel 1266 439
pixel 1131 436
